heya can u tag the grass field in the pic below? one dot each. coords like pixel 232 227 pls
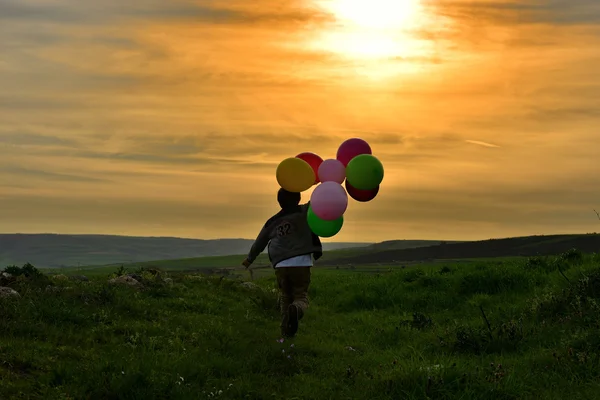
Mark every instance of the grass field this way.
pixel 200 263
pixel 261 267
pixel 506 329
pixel 187 264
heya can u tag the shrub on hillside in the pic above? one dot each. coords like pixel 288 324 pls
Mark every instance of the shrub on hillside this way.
pixel 579 299
pixel 540 263
pixel 27 276
pixel 27 270
pixel 572 256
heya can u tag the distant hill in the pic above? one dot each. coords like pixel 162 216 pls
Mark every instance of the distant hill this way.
pixel 405 244
pixel 53 250
pixel 508 247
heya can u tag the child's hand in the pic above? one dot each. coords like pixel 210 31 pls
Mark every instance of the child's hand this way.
pixel 246 263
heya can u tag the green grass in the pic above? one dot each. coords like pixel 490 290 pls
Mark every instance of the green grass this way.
pixel 413 333
pixel 186 264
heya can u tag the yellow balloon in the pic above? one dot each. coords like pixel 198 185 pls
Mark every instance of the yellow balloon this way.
pixel 295 175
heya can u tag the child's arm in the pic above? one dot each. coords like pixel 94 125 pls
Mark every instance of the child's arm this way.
pixel 260 243
pixel 317 242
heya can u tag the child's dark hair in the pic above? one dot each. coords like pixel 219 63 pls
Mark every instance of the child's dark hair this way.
pixel 288 199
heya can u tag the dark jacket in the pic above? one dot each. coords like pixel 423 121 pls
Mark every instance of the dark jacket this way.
pixel 288 235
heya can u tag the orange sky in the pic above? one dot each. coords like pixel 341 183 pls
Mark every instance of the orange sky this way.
pixel 148 117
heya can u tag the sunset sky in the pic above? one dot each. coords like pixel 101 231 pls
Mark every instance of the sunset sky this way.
pixel 169 117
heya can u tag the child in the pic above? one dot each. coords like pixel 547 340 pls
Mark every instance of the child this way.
pixel 292 245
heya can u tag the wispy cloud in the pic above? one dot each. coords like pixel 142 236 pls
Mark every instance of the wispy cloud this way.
pixel 553 12
pixel 23 173
pixel 480 143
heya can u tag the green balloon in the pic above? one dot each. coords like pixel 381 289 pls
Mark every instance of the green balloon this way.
pixel 324 228
pixel 364 172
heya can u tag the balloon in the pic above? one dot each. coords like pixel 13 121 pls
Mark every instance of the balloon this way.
pixel 361 195
pixel 324 228
pixel 352 148
pixel 364 172
pixel 329 201
pixel 314 161
pixel 295 175
pixel 332 170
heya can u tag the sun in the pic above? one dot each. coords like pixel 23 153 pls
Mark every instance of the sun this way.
pixel 371 29
pixel 374 14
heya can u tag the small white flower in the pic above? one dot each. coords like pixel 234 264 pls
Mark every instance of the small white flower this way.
pixel 220 392
pixel 122 372
pixel 292 345
pixel 283 351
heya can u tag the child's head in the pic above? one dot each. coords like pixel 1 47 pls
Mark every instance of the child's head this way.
pixel 288 199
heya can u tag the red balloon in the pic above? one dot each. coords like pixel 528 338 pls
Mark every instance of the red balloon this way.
pixel 361 195
pixel 352 148
pixel 314 161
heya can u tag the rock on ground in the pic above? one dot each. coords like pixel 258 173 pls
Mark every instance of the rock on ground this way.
pixel 60 277
pixel 250 285
pixel 57 289
pixel 81 278
pixel 6 292
pixel 126 280
pixel 137 277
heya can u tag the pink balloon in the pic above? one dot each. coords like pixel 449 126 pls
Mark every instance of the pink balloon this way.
pixel 329 201
pixel 332 170
pixel 352 148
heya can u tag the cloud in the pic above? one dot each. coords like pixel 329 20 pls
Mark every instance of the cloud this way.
pixel 24 173
pixel 78 13
pixel 480 143
pixel 75 12
pixel 34 139
pixel 551 12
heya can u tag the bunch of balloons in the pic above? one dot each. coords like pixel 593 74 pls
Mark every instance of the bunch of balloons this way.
pixel 354 166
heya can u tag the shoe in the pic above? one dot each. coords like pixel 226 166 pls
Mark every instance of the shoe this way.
pixel 292 322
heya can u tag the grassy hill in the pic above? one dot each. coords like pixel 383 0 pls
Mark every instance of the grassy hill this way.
pixel 508 247
pixel 51 251
pixel 485 330
pixel 406 244
pixel 395 252
pixel 213 264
